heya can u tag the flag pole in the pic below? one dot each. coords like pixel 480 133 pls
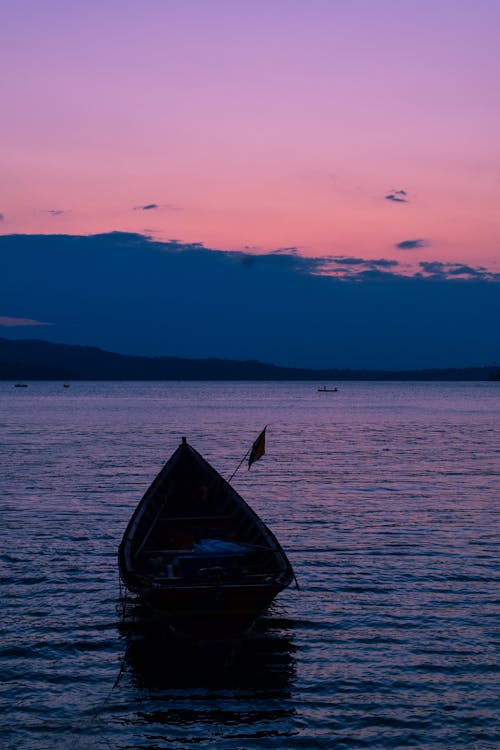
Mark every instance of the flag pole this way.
pixel 234 472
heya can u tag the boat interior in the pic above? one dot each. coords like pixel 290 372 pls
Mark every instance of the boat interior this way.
pixel 194 527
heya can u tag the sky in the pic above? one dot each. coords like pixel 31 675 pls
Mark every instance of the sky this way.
pixel 366 130
pixel 256 124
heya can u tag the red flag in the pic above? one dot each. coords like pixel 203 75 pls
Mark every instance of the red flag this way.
pixel 258 448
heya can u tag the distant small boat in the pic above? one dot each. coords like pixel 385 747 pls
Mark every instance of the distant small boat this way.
pixel 66 385
pixel 197 555
pixel 327 390
pixel 21 385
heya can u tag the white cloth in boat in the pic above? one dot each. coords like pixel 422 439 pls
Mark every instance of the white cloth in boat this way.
pixel 218 547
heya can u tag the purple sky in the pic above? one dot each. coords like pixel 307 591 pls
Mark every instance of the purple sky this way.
pixel 349 127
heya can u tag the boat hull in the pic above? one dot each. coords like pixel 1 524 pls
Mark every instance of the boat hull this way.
pixel 216 610
pixel 197 555
pixel 213 602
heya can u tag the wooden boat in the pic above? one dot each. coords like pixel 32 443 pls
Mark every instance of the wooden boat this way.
pixel 197 554
pixel 327 390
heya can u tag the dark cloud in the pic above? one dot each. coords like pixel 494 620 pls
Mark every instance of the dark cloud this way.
pixel 384 263
pixel 397 196
pixel 373 274
pixel 465 270
pixel 432 266
pixel 281 258
pixel 352 267
pixel 285 251
pixel 437 270
pixel 350 261
pixel 289 259
pixel 410 244
pixel 1 217
pixel 137 295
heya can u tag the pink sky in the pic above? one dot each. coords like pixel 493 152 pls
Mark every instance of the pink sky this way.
pixel 256 124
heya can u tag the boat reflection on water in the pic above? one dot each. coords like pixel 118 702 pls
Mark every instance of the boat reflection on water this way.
pixel 213 694
pixel 262 659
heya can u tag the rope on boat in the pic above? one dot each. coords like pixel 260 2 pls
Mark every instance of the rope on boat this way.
pixel 123 601
pixel 101 706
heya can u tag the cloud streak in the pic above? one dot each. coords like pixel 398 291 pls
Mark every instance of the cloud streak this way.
pixel 10 322
pixel 411 244
pixel 397 196
pixel 156 207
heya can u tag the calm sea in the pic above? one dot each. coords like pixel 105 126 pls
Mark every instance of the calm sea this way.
pixel 386 498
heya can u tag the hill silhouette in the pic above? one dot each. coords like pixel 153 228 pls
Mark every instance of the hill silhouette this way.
pixel 34 359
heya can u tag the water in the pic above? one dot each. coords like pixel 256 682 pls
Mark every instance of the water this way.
pixel 385 497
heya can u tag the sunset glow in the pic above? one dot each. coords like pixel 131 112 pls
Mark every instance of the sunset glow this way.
pixel 256 125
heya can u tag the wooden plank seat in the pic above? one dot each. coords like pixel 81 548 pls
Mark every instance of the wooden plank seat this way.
pixel 163 552
pixel 195 520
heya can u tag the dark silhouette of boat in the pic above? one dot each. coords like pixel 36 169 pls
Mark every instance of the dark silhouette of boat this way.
pixel 324 389
pixel 197 555
pixel 21 385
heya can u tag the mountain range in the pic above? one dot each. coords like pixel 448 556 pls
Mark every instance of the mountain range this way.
pixel 34 359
